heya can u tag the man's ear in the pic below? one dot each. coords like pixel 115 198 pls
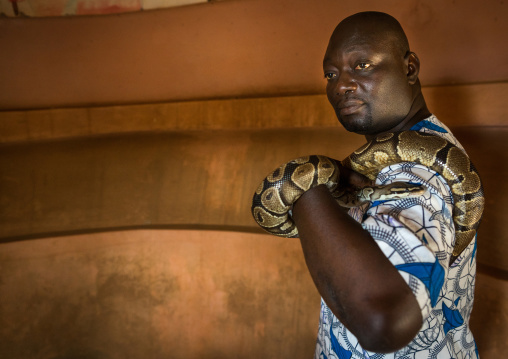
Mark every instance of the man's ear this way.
pixel 413 67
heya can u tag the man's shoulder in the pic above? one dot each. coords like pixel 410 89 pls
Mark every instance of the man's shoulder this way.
pixel 433 126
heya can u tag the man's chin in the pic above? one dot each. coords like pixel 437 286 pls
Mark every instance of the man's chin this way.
pixel 360 127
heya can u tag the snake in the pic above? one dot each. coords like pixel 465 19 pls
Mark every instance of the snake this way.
pixel 274 197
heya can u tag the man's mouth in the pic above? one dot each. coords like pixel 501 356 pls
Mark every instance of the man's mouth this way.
pixel 349 107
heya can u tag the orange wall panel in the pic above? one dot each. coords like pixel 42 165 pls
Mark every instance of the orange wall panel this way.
pixel 157 294
pixel 193 179
pixel 178 294
pixel 245 48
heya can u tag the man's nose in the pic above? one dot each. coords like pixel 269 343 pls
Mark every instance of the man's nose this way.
pixel 345 83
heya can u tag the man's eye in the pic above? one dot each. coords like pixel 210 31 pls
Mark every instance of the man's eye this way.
pixel 362 66
pixel 330 75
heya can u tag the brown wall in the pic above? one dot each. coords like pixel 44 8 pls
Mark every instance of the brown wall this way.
pixel 229 49
pixel 156 294
pixel 88 176
pixel 191 278
pixel 177 294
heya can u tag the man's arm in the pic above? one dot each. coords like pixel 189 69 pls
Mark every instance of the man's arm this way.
pixel 356 280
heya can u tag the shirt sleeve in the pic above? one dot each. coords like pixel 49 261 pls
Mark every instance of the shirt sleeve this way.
pixel 416 234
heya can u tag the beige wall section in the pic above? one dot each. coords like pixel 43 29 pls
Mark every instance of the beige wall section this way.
pixel 192 179
pixel 62 174
pixel 123 167
pixel 194 164
pixel 156 294
pixel 230 49
pixel 457 106
pixel 177 294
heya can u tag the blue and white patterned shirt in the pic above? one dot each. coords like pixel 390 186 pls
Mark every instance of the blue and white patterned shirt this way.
pixel 417 236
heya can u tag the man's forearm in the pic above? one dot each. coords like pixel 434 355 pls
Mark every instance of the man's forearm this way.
pixel 353 276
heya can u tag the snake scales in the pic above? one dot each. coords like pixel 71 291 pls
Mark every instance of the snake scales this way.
pixel 280 189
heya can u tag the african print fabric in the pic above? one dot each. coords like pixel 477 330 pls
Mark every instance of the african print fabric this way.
pixel 417 236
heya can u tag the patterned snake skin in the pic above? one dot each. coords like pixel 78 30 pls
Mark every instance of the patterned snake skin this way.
pixel 278 192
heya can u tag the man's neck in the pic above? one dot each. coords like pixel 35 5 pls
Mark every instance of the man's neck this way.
pixel 417 113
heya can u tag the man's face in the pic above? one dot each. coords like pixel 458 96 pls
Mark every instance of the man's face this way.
pixel 367 84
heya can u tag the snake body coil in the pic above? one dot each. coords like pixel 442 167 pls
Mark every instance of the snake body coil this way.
pixel 279 191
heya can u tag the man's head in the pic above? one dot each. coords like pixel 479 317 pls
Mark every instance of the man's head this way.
pixel 372 75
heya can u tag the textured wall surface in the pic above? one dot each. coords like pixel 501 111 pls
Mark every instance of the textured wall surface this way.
pixel 244 48
pixel 119 285
pixel 172 171
pixel 178 294
pixel 156 294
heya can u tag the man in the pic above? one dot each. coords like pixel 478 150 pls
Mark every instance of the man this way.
pixel 370 305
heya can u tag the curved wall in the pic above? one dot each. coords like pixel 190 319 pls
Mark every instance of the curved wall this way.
pixel 207 293
pixel 156 294
pixel 244 48
pixel 177 294
pixel 68 171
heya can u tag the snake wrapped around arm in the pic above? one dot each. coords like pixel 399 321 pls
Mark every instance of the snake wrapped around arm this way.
pixel 278 192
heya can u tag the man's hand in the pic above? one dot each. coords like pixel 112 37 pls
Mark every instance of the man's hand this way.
pixel 352 179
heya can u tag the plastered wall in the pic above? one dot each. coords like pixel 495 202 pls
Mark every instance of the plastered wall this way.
pixel 234 48
pixel 146 236
pixel 156 294
pixel 125 229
